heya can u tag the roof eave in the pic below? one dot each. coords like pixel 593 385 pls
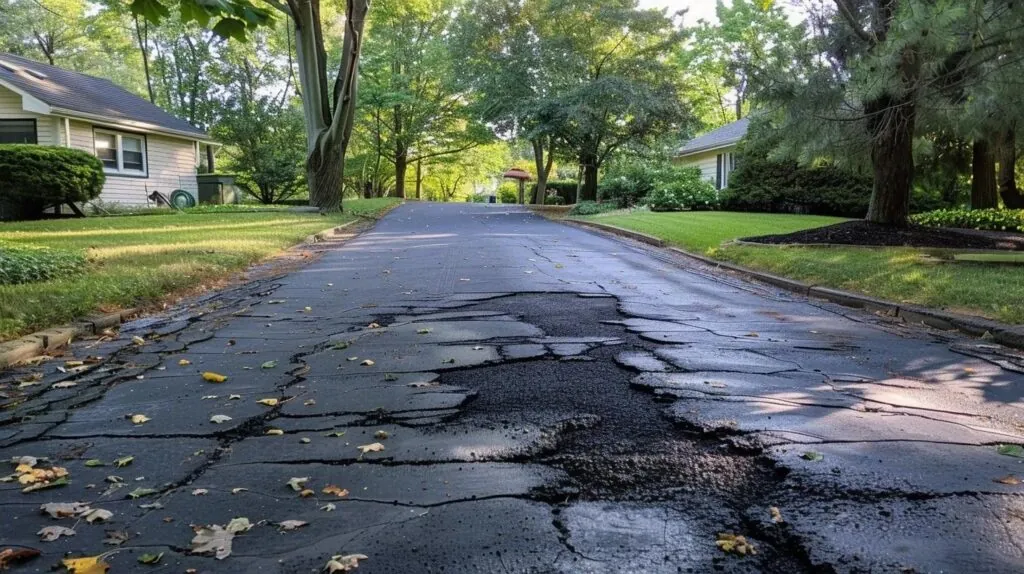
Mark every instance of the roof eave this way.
pixel 29 103
pixel 131 124
pixel 703 149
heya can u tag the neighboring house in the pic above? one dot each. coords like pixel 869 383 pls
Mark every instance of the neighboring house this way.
pixel 143 148
pixel 714 152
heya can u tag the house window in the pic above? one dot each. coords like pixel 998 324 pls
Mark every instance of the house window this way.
pixel 18 131
pixel 725 164
pixel 121 153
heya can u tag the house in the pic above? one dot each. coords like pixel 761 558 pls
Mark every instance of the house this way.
pixel 714 152
pixel 143 148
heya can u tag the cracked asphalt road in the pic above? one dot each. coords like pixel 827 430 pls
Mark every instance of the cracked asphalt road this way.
pixel 553 401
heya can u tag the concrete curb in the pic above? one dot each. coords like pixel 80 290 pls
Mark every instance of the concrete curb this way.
pixel 1008 335
pixel 323 235
pixel 40 342
pixel 941 250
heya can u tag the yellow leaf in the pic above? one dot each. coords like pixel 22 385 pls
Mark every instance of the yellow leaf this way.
pixel 211 377
pixel 374 447
pixel 275 432
pixel 184 362
pixel 729 542
pixel 268 402
pixel 776 515
pixel 138 340
pixel 306 493
pixel 139 419
pixel 367 363
pixel 1009 480
pixel 381 435
pixel 86 565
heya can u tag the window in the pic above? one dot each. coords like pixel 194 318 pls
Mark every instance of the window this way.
pixel 18 131
pixel 725 164
pixel 121 153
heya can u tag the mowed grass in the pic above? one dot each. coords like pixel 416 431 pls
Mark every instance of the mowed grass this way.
pixel 897 274
pixel 704 230
pixel 140 259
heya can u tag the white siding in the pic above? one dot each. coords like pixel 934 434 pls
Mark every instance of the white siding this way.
pixel 171 165
pixel 707 161
pixel 11 109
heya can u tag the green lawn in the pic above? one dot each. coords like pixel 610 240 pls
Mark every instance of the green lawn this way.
pixel 897 274
pixel 139 259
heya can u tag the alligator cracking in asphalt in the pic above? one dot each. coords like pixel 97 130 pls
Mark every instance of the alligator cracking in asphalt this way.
pixel 547 432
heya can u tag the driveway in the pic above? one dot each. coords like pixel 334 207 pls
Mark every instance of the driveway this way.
pixel 472 388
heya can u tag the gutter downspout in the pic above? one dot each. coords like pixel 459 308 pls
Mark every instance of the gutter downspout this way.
pixel 67 132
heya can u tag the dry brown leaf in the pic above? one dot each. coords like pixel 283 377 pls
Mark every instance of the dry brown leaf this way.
pixel 335 490
pixel 373 447
pixel 345 563
pixel 291 524
pixel 51 533
pixel 64 509
pixel 306 493
pixel 9 556
pixel 1008 480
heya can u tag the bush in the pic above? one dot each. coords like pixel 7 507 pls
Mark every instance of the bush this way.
pixel 688 190
pixel 628 183
pixel 19 264
pixel 760 184
pixel 508 192
pixel 986 219
pixel 591 208
pixel 35 176
pixel 476 198
pixel 554 200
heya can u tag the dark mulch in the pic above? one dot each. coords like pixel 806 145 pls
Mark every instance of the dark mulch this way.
pixel 865 233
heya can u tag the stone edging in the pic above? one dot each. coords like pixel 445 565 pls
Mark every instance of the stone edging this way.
pixel 1009 335
pixel 41 342
pixel 950 250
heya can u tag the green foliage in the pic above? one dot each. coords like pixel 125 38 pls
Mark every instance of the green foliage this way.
pixel 628 183
pixel 233 17
pixel 565 189
pixel 591 208
pixel 986 219
pixel 37 175
pixel 476 198
pixel 554 200
pixel 508 192
pixel 265 148
pixel 687 190
pixel 24 264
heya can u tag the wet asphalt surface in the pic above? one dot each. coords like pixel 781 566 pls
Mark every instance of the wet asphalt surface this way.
pixel 548 400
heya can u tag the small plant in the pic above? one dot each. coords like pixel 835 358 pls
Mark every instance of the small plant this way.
pixel 22 264
pixel 985 219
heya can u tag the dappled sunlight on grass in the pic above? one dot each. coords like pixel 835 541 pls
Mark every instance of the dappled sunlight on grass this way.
pixel 185 249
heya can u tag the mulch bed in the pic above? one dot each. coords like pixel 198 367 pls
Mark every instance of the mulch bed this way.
pixel 866 233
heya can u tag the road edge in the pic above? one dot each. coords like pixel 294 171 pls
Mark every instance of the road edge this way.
pixel 987 329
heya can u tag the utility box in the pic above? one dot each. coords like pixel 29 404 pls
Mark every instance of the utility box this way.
pixel 218 188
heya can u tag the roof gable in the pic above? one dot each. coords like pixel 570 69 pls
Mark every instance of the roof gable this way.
pixel 726 135
pixel 76 93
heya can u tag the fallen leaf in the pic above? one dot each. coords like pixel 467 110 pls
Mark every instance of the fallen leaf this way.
pixel 340 346
pixel 207 397
pixel 200 492
pixel 381 435
pixel 140 492
pixel 422 384
pixel 211 377
pixel 65 385
pixel 62 481
pixel 306 493
pixel 336 434
pixel 275 432
pixel 239 490
pixel 367 363
pixel 329 507
pixel 1014 450
pixel 735 544
pixel 123 461
pixel 51 533
pixel 64 509
pixel 335 490
pixel 345 563
pixel 448 361
pixel 97 515
pixel 298 483
pixel 374 447
pixel 390 377
pixel 214 540
pixel 307 309
pixel 138 340
pixel 352 359
pixel 9 556
pixel 268 365
pixel 140 419
pixel 218 419
pixel 234 397
pixel 150 558
pixel 184 363
pixel 291 524
pixel 86 565
pixel 423 331
pixel 151 506
pixel 1009 480
pixel 268 402
pixel 373 326
pixel 308 402
pixel 812 456
pixel 776 515
pixel 752 334
pixel 116 537
pixel 92 462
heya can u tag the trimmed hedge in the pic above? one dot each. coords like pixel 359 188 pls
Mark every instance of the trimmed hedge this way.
pixel 21 264
pixel 759 184
pixel 566 189
pixel 688 190
pixel 34 176
pixel 592 208
pixel 985 219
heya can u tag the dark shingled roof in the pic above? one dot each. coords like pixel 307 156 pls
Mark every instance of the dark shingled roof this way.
pixel 723 136
pixel 74 92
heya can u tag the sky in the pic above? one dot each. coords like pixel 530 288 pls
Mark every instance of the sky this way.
pixel 705 9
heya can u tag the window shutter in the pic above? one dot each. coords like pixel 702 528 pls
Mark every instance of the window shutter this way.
pixel 718 172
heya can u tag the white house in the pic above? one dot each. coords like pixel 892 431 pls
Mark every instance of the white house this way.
pixel 143 148
pixel 714 152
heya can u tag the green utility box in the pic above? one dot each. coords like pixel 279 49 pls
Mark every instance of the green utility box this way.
pixel 218 188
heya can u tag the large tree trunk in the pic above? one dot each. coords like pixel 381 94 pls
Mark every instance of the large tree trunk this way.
pixel 419 178
pixel 890 121
pixel 543 167
pixel 588 185
pixel 325 174
pixel 1008 172
pixel 983 180
pixel 401 166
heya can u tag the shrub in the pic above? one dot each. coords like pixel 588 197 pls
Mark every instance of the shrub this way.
pixel 476 198
pixel 20 264
pixel 508 192
pixel 688 190
pixel 554 200
pixel 986 219
pixel 591 208
pixel 35 176
pixel 628 183
pixel 760 184
pixel 566 189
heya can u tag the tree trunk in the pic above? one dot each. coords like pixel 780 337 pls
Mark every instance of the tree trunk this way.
pixel 419 178
pixel 543 168
pixel 891 126
pixel 209 159
pixel 588 188
pixel 325 174
pixel 143 39
pixel 401 166
pixel 983 180
pixel 1007 171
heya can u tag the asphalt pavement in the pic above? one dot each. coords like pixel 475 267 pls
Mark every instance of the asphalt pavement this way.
pixel 473 388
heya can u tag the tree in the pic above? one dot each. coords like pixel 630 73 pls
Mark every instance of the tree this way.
pixel 328 107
